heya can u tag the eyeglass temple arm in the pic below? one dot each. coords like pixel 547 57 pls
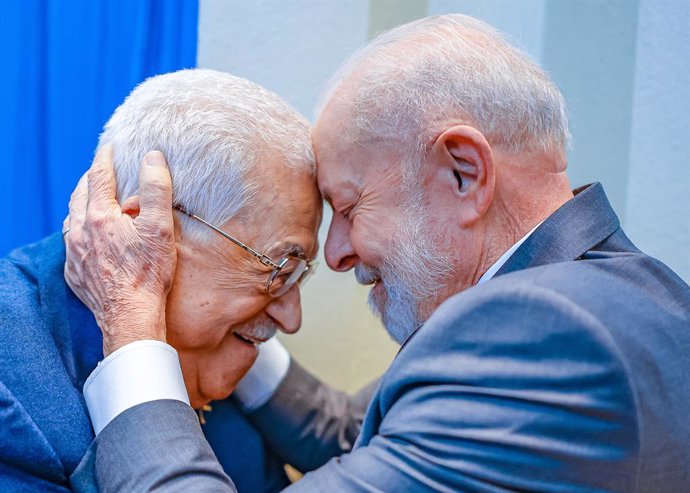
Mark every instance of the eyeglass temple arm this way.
pixel 262 258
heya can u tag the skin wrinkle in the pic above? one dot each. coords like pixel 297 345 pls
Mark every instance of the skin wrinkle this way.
pixel 237 279
pixel 241 158
pixel 389 112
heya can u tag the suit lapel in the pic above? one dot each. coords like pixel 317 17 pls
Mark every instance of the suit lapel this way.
pixel 575 228
pixel 51 287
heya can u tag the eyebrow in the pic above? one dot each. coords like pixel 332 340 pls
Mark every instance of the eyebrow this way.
pixel 294 250
pixel 346 188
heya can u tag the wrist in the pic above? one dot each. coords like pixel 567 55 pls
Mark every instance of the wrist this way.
pixel 126 326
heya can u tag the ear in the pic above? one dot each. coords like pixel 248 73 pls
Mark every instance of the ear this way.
pixel 462 172
pixel 131 206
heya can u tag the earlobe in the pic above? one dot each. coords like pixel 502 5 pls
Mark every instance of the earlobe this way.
pixel 131 206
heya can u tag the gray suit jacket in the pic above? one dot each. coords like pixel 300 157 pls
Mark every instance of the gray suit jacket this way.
pixel 568 372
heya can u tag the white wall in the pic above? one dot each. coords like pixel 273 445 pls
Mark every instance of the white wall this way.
pixel 621 64
pixel 290 48
pixel 523 21
pixel 658 187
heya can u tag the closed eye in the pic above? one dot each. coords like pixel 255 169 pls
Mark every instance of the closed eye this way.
pixel 347 212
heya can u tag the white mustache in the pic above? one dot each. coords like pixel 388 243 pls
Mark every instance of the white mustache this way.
pixel 261 331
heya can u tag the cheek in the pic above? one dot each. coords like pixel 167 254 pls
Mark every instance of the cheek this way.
pixel 195 317
pixel 370 237
pixel 194 327
pixel 207 323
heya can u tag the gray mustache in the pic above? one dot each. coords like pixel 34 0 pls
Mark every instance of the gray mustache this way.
pixel 260 331
pixel 366 274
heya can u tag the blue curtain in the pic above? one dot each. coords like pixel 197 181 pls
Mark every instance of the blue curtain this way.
pixel 66 65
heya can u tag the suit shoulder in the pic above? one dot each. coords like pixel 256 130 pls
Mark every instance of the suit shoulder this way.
pixel 515 305
pixel 516 333
pixel 611 295
pixel 18 275
pixel 517 376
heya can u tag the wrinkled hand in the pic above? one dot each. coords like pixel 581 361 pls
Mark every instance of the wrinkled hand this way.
pixel 121 259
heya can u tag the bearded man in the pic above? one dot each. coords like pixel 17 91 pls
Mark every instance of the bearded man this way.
pixel 235 151
pixel 541 350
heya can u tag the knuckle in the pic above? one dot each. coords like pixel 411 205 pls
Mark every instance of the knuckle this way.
pixel 164 233
pixel 96 177
pixel 95 172
pixel 95 220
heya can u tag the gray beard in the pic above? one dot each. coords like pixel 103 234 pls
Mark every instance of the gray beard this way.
pixel 413 272
pixel 398 311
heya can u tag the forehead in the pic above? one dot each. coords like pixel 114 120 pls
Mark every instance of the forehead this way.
pixel 287 212
pixel 336 158
pixel 347 168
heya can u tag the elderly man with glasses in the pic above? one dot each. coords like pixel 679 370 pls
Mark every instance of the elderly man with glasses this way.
pixel 242 170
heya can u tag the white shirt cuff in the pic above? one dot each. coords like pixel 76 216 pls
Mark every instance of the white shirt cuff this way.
pixel 139 372
pixel 265 376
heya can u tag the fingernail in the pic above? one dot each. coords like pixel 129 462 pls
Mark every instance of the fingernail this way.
pixel 155 158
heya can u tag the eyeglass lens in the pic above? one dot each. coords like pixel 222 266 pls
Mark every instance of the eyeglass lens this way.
pixel 291 272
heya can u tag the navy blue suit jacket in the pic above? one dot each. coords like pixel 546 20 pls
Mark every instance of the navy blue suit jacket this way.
pixel 567 372
pixel 49 344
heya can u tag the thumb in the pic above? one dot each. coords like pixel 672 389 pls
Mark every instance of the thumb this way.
pixel 155 193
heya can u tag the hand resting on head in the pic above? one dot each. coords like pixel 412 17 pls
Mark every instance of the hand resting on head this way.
pixel 121 259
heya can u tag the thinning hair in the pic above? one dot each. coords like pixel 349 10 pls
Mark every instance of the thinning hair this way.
pixel 411 82
pixel 213 128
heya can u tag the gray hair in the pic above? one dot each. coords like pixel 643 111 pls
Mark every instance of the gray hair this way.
pixel 212 127
pixel 411 81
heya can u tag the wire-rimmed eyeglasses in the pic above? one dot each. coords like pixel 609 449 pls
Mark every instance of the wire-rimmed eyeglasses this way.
pixel 287 272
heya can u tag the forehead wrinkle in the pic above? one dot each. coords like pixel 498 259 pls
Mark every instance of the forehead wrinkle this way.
pixel 345 192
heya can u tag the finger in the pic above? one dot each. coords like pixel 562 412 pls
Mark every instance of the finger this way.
pixel 101 182
pixel 79 197
pixel 155 193
pixel 65 228
pixel 72 279
pixel 131 206
pixel 77 205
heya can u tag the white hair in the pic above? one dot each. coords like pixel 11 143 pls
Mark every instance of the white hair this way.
pixel 411 81
pixel 212 128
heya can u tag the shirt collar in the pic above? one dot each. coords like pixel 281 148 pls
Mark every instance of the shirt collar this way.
pixel 504 258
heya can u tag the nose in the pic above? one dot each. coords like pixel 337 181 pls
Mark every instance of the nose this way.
pixel 287 311
pixel 339 252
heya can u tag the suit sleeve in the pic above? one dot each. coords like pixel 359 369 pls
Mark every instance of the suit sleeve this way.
pixel 517 391
pixel 157 446
pixel 307 422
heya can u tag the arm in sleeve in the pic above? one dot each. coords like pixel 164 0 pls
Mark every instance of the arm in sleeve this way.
pixel 307 422
pixel 505 393
pixel 517 391
pixel 157 446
